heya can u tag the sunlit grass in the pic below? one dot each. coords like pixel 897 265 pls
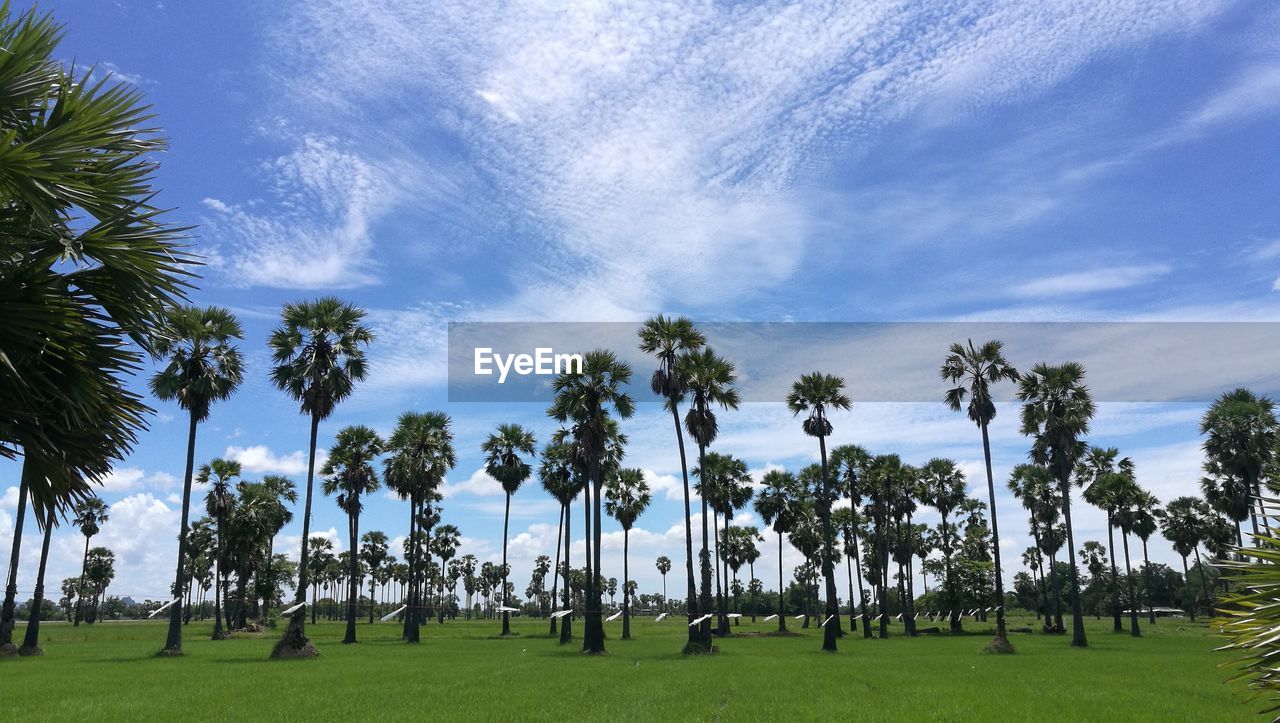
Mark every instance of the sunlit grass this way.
pixel 463 670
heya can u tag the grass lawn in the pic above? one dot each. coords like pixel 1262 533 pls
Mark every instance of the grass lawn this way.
pixel 462 670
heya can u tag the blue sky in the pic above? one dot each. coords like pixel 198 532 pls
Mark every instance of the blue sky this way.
pixel 450 160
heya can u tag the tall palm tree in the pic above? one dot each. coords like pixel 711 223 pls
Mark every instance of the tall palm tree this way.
pixel 1034 486
pixel 1143 522
pixel 627 497
pixel 1128 496
pixel 973 370
pixel 776 506
pixel 943 488
pixel 1056 411
pixel 1096 473
pixel 850 463
pixel 663 563
pixel 89 266
pixel 373 553
pixel 445 544
pixel 349 473
pixel 586 398
pixel 1182 524
pixel 203 366
pixel 725 484
pixel 504 452
pixel 668 339
pixel 559 478
pixel 817 394
pixel 421 453
pixel 318 351
pixel 90 515
pixel 1240 431
pixel 280 490
pixel 218 503
pixel 708 380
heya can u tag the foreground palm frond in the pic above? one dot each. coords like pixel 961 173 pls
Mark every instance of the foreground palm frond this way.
pixel 1250 617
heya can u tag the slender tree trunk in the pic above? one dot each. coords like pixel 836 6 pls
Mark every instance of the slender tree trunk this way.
pixel 862 599
pixel 353 591
pixel 1002 634
pixel 1133 598
pixel 1078 637
pixel 506 518
pixel 853 606
pixel 694 642
pixel 751 567
pixel 1146 583
pixel 556 570
pixel 566 622
pixel 173 641
pixel 413 613
pixel 626 602
pixel 295 643
pixel 1186 576
pixel 314 590
pixel 782 608
pixel 219 585
pixel 1058 625
pixel 1116 625
pixel 597 619
pixel 722 619
pixel 704 556
pixel 84 562
pixel 31 641
pixel 830 630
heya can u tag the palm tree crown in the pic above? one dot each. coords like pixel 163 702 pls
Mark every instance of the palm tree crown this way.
pixel 319 353
pixel 204 365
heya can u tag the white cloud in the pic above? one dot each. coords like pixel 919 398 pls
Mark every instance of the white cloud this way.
pixel 1084 282
pixel 127 479
pixel 260 459
pixel 318 231
pixel 9 501
pixel 674 136
pixel 479 484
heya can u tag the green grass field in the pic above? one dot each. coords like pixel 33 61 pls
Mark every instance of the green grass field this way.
pixel 462 670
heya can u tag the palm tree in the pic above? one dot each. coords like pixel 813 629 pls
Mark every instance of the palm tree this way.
pixel 279 489
pixel 504 452
pixel 445 544
pixel 1241 430
pixel 943 487
pixel 973 370
pixel 89 266
pixel 373 553
pixel 708 379
pixel 421 448
pixel 318 351
pixel 90 515
pixel 218 504
pixel 627 497
pixel 1142 521
pixel 669 339
pixel 1128 496
pixel 561 481
pixel 321 558
pixel 776 506
pixel 817 393
pixel 851 462
pixel 663 564
pixel 585 397
pixel 1096 473
pixel 204 366
pixel 725 484
pixel 1182 523
pixel 349 474
pixel 1056 411
pixel 1033 485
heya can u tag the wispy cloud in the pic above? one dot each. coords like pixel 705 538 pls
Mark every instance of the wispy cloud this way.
pixel 651 133
pixel 316 230
pixel 259 458
pixel 1086 282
